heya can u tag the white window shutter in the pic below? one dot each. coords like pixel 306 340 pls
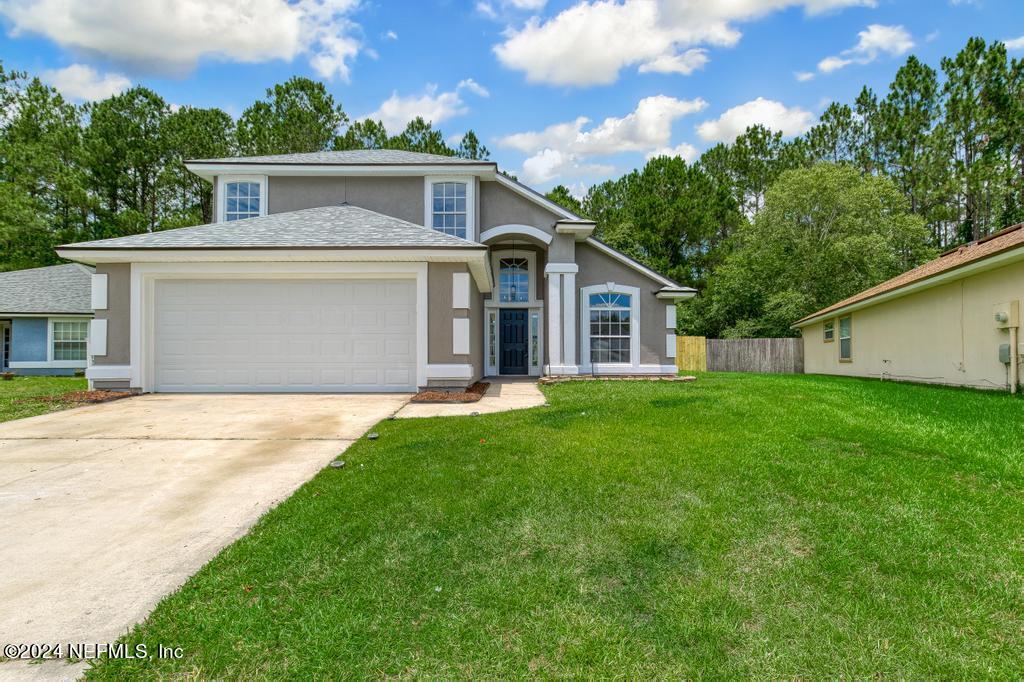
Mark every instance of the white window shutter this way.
pixel 460 290
pixel 99 292
pixel 97 337
pixel 460 336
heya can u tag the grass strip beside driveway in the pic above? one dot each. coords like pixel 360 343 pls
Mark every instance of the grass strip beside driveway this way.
pixel 16 395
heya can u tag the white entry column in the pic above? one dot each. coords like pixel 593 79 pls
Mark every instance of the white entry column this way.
pixel 561 305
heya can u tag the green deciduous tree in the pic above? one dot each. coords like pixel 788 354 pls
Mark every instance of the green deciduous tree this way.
pixel 825 233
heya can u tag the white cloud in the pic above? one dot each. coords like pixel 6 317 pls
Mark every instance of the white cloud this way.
pixel 769 113
pixel 507 7
pixel 474 87
pixel 391 35
pixel 1014 43
pixel 487 9
pixel 83 83
pixel 174 36
pixel 562 148
pixel 685 150
pixel 685 63
pixel 873 42
pixel 592 41
pixel 396 111
pixel 804 76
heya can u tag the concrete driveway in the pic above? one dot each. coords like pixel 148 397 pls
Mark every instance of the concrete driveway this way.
pixel 106 509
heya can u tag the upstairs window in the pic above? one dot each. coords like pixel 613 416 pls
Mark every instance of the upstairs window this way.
pixel 242 200
pixel 449 211
pixel 513 280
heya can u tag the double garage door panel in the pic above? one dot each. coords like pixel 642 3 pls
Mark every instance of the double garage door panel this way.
pixel 285 335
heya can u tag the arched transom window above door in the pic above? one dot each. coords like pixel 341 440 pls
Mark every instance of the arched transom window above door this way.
pixel 514 276
pixel 513 279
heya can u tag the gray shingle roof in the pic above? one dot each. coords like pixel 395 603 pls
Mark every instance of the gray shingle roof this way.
pixel 56 289
pixel 341 227
pixel 361 157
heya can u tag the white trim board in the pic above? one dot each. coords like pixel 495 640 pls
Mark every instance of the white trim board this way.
pixel 109 372
pixel 451 371
pixel 515 229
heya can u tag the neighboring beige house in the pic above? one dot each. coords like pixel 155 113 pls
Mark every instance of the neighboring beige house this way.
pixel 953 320
pixel 370 270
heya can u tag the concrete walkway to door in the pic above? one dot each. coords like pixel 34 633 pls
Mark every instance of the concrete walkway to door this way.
pixel 503 394
pixel 106 509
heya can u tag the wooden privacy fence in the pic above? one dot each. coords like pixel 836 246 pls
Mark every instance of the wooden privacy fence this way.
pixel 772 356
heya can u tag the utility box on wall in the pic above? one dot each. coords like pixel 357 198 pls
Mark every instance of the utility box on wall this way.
pixel 1006 315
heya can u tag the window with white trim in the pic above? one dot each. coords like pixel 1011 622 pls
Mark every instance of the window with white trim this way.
pixel 514 279
pixel 70 339
pixel 610 327
pixel 242 200
pixel 829 333
pixel 845 339
pixel 449 208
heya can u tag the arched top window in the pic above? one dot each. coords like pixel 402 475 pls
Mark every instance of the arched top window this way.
pixel 513 279
pixel 610 326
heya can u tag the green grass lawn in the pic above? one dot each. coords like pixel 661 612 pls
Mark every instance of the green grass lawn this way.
pixel 16 394
pixel 740 526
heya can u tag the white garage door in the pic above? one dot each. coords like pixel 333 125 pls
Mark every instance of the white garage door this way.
pixel 285 335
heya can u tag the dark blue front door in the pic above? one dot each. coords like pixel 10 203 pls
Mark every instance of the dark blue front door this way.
pixel 512 340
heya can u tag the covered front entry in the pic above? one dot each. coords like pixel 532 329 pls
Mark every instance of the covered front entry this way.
pixel 278 335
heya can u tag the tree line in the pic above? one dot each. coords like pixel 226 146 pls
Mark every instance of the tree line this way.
pixel 115 167
pixel 936 161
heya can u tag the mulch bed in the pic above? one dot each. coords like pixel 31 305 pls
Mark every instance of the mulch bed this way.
pixel 470 395
pixel 617 377
pixel 78 397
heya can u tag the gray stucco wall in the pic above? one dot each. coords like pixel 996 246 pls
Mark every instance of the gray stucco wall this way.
pixel 400 197
pixel 501 206
pixel 441 314
pixel 598 268
pixel 117 314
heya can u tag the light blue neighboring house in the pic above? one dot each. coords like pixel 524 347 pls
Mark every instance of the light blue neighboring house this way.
pixel 44 319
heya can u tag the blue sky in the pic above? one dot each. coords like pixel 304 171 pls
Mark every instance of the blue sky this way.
pixel 561 92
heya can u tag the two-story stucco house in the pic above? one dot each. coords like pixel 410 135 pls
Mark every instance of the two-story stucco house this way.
pixel 370 271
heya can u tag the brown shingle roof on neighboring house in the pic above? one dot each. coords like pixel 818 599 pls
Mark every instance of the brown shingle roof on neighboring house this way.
pixel 999 242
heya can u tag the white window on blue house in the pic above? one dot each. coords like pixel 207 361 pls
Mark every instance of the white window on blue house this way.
pixel 70 339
